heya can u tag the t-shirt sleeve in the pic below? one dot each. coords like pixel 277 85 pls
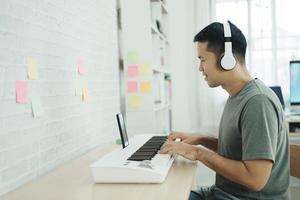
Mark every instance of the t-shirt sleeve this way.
pixel 259 129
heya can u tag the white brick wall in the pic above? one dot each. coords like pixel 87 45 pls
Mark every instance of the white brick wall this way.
pixel 56 33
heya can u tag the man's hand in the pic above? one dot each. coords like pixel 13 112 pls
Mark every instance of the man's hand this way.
pixel 195 139
pixel 186 150
pixel 185 137
pixel 253 174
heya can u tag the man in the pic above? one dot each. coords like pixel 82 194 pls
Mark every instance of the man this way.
pixel 251 154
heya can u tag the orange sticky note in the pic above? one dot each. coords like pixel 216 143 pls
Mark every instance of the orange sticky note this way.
pixel 132 86
pixel 132 70
pixel 80 67
pixel 21 92
pixel 145 86
pixel 32 70
pixel 145 68
pixel 135 101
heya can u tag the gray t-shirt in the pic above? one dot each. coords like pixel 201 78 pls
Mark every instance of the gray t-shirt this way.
pixel 253 127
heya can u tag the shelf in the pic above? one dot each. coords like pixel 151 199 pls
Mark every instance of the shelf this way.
pixel 159 107
pixel 157 70
pixel 149 29
pixel 160 35
pixel 163 6
pixel 154 29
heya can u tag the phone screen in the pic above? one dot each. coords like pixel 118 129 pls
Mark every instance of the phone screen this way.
pixel 122 130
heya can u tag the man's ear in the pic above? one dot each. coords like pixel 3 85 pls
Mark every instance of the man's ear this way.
pixel 219 58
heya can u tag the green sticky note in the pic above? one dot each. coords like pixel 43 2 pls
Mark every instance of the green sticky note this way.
pixel 36 105
pixel 132 57
pixel 118 141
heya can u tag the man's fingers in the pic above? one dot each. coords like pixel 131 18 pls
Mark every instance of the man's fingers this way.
pixel 170 147
pixel 166 148
pixel 163 150
pixel 172 136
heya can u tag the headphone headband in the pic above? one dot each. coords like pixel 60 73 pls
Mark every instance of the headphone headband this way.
pixel 227 61
pixel 227 31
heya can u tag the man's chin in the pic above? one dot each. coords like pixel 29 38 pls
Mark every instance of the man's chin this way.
pixel 212 85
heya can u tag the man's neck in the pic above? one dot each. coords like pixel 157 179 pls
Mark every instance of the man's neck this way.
pixel 237 83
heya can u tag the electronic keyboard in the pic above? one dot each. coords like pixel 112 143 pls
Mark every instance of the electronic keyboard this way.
pixel 139 162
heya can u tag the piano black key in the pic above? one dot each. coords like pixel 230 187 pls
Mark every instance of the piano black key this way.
pixel 149 149
pixel 143 153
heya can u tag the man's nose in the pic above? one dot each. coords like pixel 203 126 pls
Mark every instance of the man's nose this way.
pixel 200 67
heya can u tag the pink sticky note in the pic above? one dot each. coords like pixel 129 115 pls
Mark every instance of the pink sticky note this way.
pixel 132 86
pixel 21 92
pixel 80 67
pixel 133 70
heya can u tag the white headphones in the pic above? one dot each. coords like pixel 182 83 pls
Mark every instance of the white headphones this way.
pixel 228 61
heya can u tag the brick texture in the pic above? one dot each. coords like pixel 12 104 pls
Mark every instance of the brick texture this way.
pixel 56 33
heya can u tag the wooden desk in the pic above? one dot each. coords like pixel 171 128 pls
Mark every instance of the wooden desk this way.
pixel 295 160
pixel 73 181
pixel 295 154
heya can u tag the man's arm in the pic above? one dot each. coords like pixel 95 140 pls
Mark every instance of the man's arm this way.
pixel 252 174
pixel 195 139
pixel 209 142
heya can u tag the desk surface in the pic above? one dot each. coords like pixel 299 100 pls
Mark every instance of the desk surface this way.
pixel 73 181
pixel 293 118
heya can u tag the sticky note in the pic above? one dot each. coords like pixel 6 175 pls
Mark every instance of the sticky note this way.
pixel 85 94
pixel 133 70
pixel 132 57
pixel 21 92
pixel 80 67
pixel 132 86
pixel 118 141
pixel 145 69
pixel 145 86
pixel 32 68
pixel 135 101
pixel 78 90
pixel 36 105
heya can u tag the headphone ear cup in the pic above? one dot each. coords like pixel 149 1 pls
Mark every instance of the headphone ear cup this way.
pixel 220 60
pixel 228 61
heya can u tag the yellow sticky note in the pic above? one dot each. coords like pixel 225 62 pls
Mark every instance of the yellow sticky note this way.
pixel 135 101
pixel 145 86
pixel 132 57
pixel 145 68
pixel 85 94
pixel 32 70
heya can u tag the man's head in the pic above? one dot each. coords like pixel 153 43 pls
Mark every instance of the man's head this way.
pixel 210 43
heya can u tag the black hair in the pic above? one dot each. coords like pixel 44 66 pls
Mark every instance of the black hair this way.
pixel 214 35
